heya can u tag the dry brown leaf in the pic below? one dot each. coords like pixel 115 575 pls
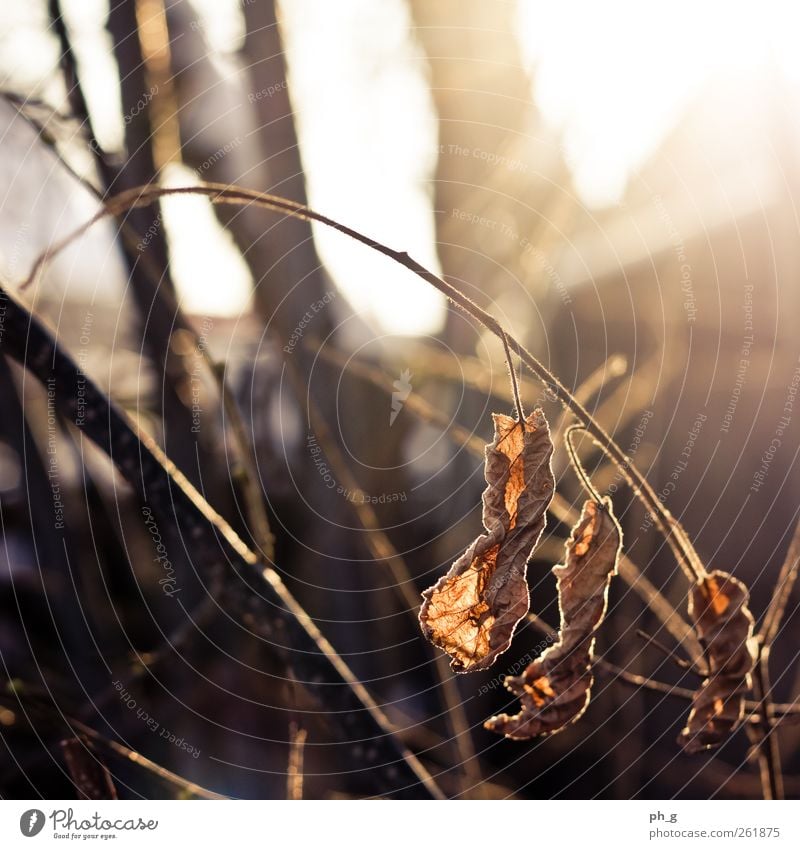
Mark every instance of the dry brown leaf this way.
pixel 718 607
pixel 555 688
pixel 471 613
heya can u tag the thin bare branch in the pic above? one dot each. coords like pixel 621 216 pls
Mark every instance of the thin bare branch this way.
pixel 80 729
pixel 667 525
pixel 257 597
pixel 665 650
pixel 785 712
pixel 294 773
pixel 513 377
pixel 763 735
pixel 783 590
pixel 576 464
pixel 384 551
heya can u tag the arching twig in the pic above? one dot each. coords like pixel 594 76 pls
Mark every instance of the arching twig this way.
pixel 255 593
pixel 513 377
pixel 672 530
pixel 576 464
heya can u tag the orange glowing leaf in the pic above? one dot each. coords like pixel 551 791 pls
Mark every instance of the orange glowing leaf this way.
pixel 472 611
pixel 555 688
pixel 718 606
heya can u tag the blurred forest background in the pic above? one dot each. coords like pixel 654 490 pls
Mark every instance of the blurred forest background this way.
pixel 618 189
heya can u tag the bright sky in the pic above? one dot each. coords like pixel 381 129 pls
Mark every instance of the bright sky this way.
pixel 368 139
pixel 613 76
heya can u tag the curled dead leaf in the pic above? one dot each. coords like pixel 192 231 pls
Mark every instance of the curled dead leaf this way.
pixel 718 607
pixel 556 687
pixel 472 611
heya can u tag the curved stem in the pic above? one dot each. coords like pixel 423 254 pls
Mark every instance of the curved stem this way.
pixel 763 736
pixel 513 376
pixel 667 525
pixel 54 713
pixel 576 464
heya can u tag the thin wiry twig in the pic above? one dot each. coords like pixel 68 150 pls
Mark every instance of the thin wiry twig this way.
pixel 294 771
pixel 613 367
pixel 164 300
pixel 783 590
pixel 665 650
pixel 384 551
pixel 79 728
pixel 258 596
pixel 576 464
pixel 260 531
pixel 147 662
pixel 637 680
pixel 764 736
pixel 428 361
pixel 513 377
pixel 788 712
pixel 668 526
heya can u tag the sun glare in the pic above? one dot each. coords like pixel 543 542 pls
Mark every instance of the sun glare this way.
pixel 616 95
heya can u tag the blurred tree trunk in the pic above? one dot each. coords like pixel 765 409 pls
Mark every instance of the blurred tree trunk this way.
pixel 115 533
pixel 239 128
pixel 496 162
pixel 137 167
